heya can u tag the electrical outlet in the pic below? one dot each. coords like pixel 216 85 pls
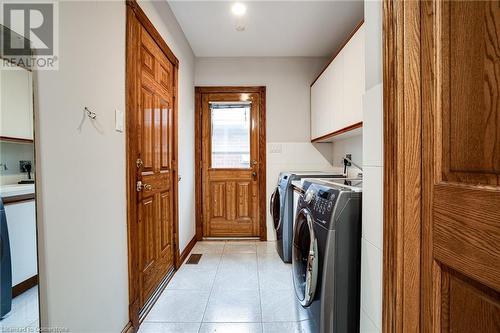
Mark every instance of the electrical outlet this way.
pixel 276 149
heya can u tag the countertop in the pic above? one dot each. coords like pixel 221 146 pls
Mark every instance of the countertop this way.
pixel 17 192
pixel 297 185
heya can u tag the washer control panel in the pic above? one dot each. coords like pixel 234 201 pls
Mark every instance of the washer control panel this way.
pixel 324 201
pixel 321 201
pixel 323 206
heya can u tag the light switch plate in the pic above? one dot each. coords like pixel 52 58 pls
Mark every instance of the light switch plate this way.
pixel 119 120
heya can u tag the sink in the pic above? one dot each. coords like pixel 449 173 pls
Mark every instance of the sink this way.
pixel 16 189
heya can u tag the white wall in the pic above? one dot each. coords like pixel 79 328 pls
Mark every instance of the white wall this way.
pixel 83 248
pixel 287 82
pixel 82 207
pixel 372 246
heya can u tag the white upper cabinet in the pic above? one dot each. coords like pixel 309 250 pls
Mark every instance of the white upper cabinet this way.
pixel 326 97
pixel 336 95
pixel 354 82
pixel 337 92
pixel 16 104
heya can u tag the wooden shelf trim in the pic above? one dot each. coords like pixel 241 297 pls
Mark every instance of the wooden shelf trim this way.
pixel 337 133
pixel 18 198
pixel 18 140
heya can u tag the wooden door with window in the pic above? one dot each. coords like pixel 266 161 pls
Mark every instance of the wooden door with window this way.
pixel 460 47
pixel 154 164
pixel 230 164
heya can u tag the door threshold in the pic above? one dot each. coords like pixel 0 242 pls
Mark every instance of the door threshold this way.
pixel 230 238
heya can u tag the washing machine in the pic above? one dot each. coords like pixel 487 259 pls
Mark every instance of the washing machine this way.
pixel 282 211
pixel 327 254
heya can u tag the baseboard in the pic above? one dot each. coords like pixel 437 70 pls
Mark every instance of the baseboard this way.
pixel 21 287
pixel 129 328
pixel 187 250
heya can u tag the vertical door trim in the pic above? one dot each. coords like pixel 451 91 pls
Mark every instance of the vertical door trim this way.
pixel 135 18
pixel 262 154
pixel 402 229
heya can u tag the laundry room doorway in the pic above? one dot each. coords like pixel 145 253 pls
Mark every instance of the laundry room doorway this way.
pixel 231 160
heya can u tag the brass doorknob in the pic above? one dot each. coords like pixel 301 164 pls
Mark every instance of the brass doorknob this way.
pixel 140 186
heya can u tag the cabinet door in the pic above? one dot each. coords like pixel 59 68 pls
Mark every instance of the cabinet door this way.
pixel 337 94
pixel 354 80
pixel 327 99
pixel 320 117
pixel 16 106
pixel 21 222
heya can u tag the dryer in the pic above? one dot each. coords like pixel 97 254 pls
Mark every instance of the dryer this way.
pixel 327 254
pixel 282 210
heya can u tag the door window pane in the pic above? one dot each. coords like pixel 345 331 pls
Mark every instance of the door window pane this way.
pixel 230 135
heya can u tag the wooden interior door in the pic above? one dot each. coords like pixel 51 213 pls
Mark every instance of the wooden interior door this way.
pixel 154 154
pixel 460 48
pixel 230 164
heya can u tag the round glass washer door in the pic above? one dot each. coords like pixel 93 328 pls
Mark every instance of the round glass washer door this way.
pixel 275 208
pixel 305 258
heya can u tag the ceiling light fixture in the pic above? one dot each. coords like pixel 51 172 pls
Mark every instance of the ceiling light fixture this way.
pixel 239 9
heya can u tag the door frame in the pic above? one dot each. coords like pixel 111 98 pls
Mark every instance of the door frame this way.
pixel 199 91
pixel 136 17
pixel 405 290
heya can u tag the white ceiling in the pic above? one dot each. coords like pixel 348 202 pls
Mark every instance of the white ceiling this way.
pixel 272 28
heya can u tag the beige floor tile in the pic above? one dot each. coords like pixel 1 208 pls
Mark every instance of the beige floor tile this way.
pixel 231 328
pixel 179 306
pixel 234 307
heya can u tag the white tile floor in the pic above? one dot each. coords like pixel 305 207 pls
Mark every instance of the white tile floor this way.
pixel 24 313
pixel 238 286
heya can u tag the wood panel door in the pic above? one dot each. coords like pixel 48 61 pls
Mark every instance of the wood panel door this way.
pixel 154 162
pixel 230 164
pixel 460 57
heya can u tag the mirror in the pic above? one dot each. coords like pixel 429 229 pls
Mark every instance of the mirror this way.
pixel 19 301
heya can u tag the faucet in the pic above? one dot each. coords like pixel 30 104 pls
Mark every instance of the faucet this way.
pixel 347 162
